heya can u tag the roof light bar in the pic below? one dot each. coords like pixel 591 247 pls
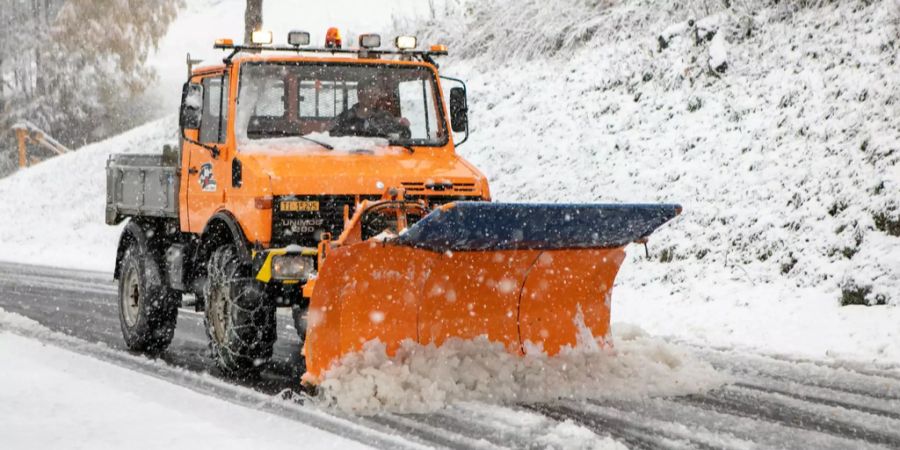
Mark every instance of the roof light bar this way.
pixel 298 38
pixel 261 37
pixel 333 38
pixel 406 42
pixel 369 41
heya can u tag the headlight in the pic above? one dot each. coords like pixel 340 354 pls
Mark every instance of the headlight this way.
pixel 406 42
pixel 292 267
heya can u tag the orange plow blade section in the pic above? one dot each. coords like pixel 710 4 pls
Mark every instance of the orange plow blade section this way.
pixel 533 277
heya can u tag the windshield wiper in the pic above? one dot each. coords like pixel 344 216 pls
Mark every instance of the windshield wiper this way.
pixel 406 146
pixel 314 141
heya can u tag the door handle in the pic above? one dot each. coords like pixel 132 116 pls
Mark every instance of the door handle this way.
pixel 193 171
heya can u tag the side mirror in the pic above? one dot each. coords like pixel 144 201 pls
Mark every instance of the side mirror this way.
pixel 191 106
pixel 459 110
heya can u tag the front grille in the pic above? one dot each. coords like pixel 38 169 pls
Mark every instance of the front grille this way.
pixel 414 187
pixel 305 228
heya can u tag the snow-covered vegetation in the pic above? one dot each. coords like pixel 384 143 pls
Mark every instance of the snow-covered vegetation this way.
pixel 775 124
pixel 76 68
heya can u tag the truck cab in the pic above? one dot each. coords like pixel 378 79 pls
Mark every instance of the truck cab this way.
pixel 279 146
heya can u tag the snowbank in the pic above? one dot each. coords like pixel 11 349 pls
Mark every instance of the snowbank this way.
pixel 54 398
pixel 53 213
pixel 426 378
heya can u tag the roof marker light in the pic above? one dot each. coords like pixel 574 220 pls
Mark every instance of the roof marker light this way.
pixel 369 41
pixel 406 42
pixel 298 38
pixel 261 37
pixel 439 48
pixel 224 43
pixel 333 38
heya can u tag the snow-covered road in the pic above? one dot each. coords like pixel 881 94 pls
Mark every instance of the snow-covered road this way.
pixel 773 402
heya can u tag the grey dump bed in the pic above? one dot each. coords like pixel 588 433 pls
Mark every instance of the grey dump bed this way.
pixel 141 185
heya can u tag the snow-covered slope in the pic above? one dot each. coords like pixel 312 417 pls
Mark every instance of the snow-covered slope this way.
pixel 53 213
pixel 777 126
pixel 785 158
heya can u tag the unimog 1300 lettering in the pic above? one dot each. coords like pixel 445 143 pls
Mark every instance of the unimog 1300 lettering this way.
pixel 326 180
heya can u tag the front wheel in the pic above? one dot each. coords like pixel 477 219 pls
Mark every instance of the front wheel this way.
pixel 148 309
pixel 240 318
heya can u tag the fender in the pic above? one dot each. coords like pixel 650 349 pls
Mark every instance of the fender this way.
pixel 220 223
pixel 136 232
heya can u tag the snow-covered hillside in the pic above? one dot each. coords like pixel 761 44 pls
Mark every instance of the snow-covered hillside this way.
pixel 777 128
pixel 53 213
pixel 776 125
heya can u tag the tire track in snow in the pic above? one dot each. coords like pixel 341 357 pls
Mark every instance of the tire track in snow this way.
pixel 879 385
pixel 891 414
pixel 634 435
pixel 773 407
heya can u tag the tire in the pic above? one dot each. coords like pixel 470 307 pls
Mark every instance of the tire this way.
pixel 148 309
pixel 298 314
pixel 240 317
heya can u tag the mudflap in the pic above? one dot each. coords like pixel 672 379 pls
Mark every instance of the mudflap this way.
pixel 533 277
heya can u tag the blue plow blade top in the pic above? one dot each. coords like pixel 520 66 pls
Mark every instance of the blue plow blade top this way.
pixel 479 226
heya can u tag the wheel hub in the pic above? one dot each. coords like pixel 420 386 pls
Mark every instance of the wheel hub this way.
pixel 131 297
pixel 219 310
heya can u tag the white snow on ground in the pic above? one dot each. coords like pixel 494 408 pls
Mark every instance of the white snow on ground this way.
pixel 96 393
pixel 53 213
pixel 55 398
pixel 426 378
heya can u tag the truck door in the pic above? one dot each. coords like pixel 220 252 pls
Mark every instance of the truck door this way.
pixel 207 174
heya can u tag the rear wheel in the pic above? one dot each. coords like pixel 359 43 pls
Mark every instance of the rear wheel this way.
pixel 240 318
pixel 148 310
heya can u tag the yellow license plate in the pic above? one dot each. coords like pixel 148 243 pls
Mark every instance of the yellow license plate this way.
pixel 296 205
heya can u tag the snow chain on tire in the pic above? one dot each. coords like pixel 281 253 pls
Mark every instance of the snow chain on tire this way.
pixel 148 309
pixel 240 317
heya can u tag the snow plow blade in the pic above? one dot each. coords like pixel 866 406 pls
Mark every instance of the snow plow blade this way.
pixel 531 276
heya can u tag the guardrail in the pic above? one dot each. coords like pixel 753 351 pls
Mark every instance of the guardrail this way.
pixel 28 133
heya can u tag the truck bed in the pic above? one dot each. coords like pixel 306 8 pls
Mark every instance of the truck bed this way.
pixel 141 185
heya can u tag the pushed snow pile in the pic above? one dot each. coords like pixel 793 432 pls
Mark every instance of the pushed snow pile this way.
pixel 53 213
pixel 775 124
pixel 420 378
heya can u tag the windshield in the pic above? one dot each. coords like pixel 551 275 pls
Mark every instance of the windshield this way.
pixel 318 102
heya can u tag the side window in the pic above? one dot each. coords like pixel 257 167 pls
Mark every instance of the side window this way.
pixel 215 110
pixel 416 105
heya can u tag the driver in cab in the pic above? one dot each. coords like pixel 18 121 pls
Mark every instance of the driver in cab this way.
pixel 371 116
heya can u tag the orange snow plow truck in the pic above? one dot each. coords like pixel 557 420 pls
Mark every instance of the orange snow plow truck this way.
pixel 325 180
